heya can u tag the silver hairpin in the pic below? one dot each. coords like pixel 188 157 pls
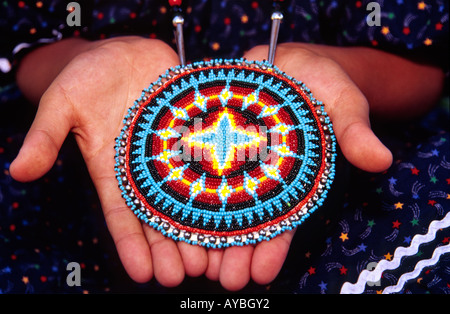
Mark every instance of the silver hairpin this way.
pixel 277 16
pixel 178 22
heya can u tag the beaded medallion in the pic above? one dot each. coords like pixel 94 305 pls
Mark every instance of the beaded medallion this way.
pixel 225 152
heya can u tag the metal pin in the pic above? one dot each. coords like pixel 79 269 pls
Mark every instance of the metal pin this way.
pixel 178 22
pixel 276 21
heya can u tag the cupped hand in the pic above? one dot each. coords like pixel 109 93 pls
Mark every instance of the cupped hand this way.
pixel 344 102
pixel 90 97
pixel 349 111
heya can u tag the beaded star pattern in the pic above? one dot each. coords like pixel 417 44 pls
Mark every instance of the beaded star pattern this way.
pixel 225 152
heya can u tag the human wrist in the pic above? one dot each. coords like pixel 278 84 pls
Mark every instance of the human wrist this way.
pixel 40 67
pixel 383 78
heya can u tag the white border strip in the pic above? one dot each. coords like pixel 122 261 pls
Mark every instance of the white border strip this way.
pixel 418 269
pixel 400 252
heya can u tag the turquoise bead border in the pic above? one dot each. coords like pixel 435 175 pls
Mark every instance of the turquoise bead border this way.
pixel 211 240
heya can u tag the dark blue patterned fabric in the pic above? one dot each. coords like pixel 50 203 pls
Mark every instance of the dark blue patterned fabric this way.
pixel 228 28
pixel 46 224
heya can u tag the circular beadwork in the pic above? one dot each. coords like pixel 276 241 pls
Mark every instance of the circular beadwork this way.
pixel 225 152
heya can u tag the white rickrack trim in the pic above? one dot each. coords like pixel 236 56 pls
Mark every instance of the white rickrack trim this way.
pixel 419 239
pixel 418 269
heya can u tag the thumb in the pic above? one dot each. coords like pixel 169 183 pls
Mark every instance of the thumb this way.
pixel 43 141
pixel 345 104
pixel 359 144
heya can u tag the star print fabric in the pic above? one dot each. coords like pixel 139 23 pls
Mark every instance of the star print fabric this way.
pixel 229 28
pixel 391 209
pixel 46 224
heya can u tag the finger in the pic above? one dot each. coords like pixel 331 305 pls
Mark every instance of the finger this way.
pixel 125 229
pixel 214 261
pixel 269 256
pixel 350 116
pixel 44 139
pixel 195 259
pixel 131 244
pixel 348 110
pixel 361 147
pixel 167 263
pixel 235 268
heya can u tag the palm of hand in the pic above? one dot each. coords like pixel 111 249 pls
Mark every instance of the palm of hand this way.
pixel 344 102
pixel 90 98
